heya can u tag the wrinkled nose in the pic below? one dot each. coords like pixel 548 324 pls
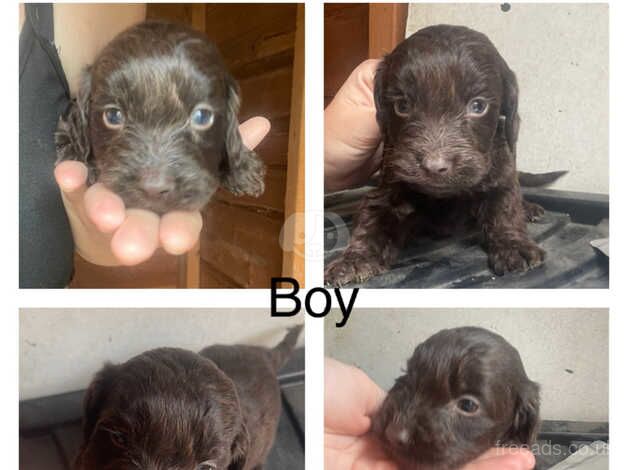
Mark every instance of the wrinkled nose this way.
pixel 156 183
pixel 436 164
pixel 397 434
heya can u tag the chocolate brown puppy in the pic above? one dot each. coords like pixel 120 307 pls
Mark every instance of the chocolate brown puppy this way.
pixel 447 107
pixel 172 409
pixel 156 121
pixel 464 391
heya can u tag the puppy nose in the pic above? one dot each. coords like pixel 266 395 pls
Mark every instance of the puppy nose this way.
pixel 436 164
pixel 155 183
pixel 397 434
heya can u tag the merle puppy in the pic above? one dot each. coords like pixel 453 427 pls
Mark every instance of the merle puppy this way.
pixel 172 409
pixel 447 108
pixel 464 391
pixel 156 121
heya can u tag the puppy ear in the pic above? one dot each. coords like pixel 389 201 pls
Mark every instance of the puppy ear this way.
pixel 243 171
pixel 509 108
pixel 95 398
pixel 240 449
pixel 72 136
pixel 526 419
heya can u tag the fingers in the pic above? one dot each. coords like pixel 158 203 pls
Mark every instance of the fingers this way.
pixel 71 177
pixel 179 231
pixel 137 238
pixel 104 208
pixel 504 459
pixel 253 131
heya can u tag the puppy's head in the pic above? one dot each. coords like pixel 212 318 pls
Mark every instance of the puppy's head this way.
pixel 464 391
pixel 156 115
pixel 447 106
pixel 167 409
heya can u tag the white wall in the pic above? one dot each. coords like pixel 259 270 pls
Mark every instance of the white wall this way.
pixel 549 342
pixel 560 55
pixel 61 349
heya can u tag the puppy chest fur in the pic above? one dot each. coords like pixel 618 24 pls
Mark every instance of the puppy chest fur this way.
pixel 447 108
pixel 465 391
pixel 156 122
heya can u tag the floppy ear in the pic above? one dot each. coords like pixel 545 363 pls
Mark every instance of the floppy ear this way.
pixel 240 449
pixel 243 171
pixel 95 398
pixel 72 136
pixel 510 103
pixel 526 420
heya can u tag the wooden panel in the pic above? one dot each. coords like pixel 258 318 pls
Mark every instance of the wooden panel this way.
pixel 387 27
pixel 267 95
pixel 294 228
pixel 346 42
pixel 160 271
pixel 240 241
pixel 242 244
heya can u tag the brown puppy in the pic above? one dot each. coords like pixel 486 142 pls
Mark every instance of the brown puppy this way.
pixel 156 121
pixel 171 409
pixel 464 391
pixel 447 108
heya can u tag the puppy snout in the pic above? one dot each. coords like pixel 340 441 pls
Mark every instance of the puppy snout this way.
pixel 436 164
pixel 397 434
pixel 156 183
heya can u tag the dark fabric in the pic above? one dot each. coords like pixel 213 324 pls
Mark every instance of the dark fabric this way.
pixel 46 246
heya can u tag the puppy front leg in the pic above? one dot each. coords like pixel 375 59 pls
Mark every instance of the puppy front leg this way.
pixel 381 227
pixel 503 221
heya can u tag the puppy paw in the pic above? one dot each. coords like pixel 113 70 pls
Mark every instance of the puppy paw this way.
pixel 533 211
pixel 352 268
pixel 515 255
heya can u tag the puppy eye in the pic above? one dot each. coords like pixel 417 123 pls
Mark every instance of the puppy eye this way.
pixel 468 405
pixel 206 466
pixel 402 108
pixel 477 106
pixel 113 117
pixel 202 117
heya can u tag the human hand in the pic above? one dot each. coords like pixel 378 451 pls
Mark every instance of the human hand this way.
pixel 108 234
pixel 352 136
pixel 351 398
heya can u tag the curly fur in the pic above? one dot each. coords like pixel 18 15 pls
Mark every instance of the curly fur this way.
pixel 172 409
pixel 156 73
pixel 443 170
pixel 420 424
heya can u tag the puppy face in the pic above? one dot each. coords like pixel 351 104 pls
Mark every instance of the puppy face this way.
pixel 465 390
pixel 159 113
pixel 447 106
pixel 166 409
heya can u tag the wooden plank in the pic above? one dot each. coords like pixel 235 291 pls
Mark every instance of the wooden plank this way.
pixel 211 278
pixel 294 227
pixel 267 95
pixel 346 42
pixel 161 271
pixel 242 244
pixel 272 199
pixel 387 27
pixel 189 273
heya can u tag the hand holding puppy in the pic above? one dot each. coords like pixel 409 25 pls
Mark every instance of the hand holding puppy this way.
pixel 108 234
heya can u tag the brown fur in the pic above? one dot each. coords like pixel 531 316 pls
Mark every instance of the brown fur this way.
pixel 420 423
pixel 171 409
pixel 444 169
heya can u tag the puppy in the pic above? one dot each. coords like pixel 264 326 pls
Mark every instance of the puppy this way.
pixel 447 107
pixel 464 391
pixel 156 121
pixel 171 409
